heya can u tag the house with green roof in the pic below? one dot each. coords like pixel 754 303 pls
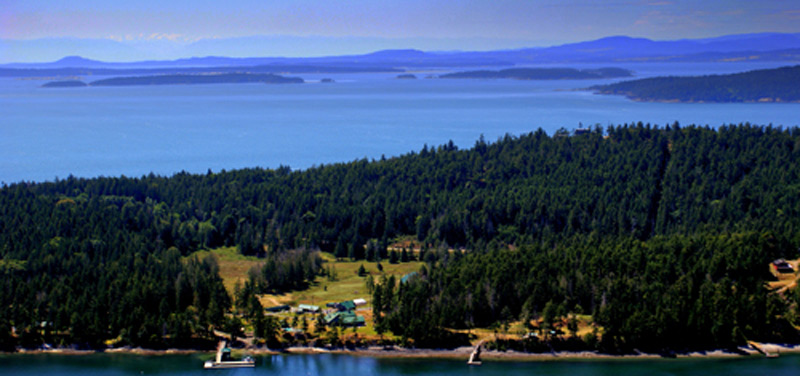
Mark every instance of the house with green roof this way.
pixel 344 318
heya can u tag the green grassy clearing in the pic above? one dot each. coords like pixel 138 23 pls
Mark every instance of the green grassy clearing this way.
pixel 233 266
pixel 347 286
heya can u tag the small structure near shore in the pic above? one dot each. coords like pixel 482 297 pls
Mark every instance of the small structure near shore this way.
pixel 475 357
pixel 224 359
pixel 763 350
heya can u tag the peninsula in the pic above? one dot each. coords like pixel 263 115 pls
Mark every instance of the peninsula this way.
pixel 765 85
pixel 543 74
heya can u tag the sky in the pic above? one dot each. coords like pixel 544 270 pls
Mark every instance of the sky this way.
pixel 173 28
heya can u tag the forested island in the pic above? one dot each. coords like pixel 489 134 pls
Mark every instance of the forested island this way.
pixel 765 85
pixel 66 83
pixel 543 74
pixel 182 79
pixel 192 79
pixel 151 71
pixel 659 238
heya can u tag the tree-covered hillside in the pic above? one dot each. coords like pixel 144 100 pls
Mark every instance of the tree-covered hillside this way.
pixel 663 234
pixel 765 85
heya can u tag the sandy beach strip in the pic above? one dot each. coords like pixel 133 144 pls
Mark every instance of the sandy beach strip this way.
pixel 458 353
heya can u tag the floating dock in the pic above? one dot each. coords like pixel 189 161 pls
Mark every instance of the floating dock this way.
pixel 224 360
pixel 475 357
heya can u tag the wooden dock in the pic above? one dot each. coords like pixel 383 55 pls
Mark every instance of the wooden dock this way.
pixel 763 350
pixel 475 357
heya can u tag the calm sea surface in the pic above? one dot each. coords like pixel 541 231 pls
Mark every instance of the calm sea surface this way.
pixel 324 364
pixel 111 131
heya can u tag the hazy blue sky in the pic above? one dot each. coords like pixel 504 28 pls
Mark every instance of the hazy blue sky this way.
pixel 438 24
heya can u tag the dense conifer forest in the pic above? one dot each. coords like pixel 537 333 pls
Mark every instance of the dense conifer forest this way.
pixel 663 234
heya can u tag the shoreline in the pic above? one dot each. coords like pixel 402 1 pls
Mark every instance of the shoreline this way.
pixel 457 353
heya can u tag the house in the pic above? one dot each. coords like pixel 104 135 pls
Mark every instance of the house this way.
pixel 781 269
pixel 307 308
pixel 359 302
pixel 347 318
pixel 347 305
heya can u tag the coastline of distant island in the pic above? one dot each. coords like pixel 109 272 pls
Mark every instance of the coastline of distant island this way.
pixel 779 85
pixel 542 74
pixel 65 83
pixel 152 71
pixel 182 79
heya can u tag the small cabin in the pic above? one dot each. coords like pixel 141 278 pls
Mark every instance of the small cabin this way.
pixel 307 308
pixel 781 269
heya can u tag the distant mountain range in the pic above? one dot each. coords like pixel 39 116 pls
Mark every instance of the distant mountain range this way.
pixel 742 47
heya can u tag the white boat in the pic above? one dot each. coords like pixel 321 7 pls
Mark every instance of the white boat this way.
pixel 224 360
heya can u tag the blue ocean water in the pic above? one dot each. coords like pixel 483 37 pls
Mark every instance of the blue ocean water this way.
pixel 132 131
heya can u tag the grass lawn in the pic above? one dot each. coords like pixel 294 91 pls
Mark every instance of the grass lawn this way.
pixel 233 266
pixel 347 286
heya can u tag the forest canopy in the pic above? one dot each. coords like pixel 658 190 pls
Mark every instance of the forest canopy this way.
pixel 663 234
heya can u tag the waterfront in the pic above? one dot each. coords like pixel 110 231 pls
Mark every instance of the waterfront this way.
pixel 336 364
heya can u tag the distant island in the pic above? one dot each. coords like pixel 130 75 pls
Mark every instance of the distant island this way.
pixel 765 85
pixel 543 74
pixel 66 83
pixel 191 79
pixel 406 77
pixel 151 71
pixel 183 79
